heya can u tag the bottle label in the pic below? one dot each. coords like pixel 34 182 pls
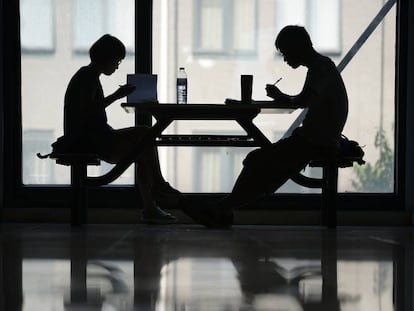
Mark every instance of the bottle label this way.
pixel 181 91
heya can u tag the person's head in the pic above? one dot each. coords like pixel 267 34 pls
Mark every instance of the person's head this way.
pixel 295 45
pixel 106 53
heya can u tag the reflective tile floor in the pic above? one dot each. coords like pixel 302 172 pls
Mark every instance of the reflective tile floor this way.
pixel 137 267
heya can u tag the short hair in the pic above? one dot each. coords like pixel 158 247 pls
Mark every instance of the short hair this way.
pixel 293 38
pixel 106 48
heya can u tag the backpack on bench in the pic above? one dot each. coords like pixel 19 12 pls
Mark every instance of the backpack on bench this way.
pixel 350 151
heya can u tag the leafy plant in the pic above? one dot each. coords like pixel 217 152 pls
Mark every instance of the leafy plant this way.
pixel 377 177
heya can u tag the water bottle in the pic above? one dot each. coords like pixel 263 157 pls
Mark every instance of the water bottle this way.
pixel 181 86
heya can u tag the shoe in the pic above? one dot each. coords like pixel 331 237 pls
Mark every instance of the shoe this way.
pixel 209 215
pixel 157 216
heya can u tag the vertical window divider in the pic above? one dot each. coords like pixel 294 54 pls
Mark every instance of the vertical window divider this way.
pixel 12 100
pixel 143 51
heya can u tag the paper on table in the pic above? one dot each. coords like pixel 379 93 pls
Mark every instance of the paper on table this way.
pixel 146 88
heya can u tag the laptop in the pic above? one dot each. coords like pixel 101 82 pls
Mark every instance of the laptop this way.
pixel 145 88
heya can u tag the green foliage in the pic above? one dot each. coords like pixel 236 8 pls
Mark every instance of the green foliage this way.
pixel 378 177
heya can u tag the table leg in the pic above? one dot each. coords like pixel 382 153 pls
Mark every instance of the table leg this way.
pixel 253 131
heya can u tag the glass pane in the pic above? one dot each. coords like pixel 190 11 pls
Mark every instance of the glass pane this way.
pixel 74 25
pixel 369 79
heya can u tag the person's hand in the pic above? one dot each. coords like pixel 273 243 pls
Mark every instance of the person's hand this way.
pixel 124 90
pixel 273 91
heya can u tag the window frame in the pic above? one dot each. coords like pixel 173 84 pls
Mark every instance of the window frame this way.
pixel 17 195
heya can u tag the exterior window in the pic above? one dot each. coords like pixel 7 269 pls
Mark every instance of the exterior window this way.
pixel 225 27
pixel 210 28
pixel 94 18
pixel 321 18
pixel 37 26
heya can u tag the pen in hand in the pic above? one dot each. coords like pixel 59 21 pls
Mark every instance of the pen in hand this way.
pixel 277 81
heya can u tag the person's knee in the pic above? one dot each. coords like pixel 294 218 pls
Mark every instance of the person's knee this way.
pixel 253 157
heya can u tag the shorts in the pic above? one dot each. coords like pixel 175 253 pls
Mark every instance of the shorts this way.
pixel 114 145
pixel 275 164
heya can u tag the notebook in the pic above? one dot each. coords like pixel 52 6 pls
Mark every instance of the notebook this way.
pixel 146 88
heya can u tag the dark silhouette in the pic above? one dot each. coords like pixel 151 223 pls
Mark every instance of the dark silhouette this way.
pixel 85 124
pixel 268 168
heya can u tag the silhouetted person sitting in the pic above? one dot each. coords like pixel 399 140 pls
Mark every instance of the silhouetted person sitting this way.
pixel 85 122
pixel 268 168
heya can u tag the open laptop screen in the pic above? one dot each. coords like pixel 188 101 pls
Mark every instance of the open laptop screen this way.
pixel 146 88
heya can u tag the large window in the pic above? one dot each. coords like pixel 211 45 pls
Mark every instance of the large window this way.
pixel 61 32
pixel 191 34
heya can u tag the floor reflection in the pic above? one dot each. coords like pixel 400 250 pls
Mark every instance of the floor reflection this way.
pixel 122 268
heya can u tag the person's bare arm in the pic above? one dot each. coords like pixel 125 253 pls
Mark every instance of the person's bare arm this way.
pixel 302 100
pixel 122 91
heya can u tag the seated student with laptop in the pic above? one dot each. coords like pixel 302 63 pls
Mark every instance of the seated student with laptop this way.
pixel 85 122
